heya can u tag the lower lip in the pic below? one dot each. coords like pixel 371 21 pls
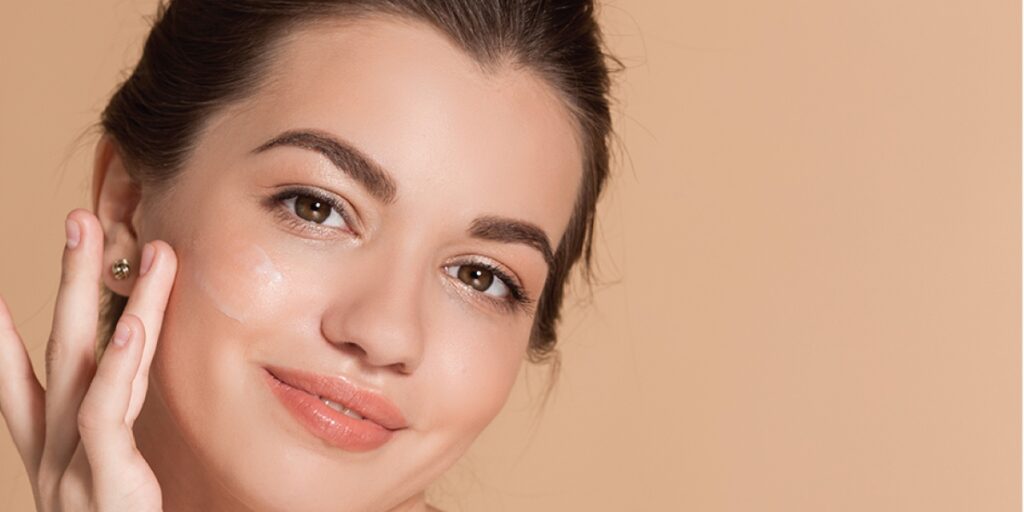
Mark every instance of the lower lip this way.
pixel 335 428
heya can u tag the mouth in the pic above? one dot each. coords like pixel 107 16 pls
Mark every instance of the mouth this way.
pixel 336 410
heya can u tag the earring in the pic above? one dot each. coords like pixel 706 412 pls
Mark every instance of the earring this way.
pixel 121 269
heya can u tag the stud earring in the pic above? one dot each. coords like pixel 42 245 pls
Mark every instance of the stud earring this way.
pixel 121 269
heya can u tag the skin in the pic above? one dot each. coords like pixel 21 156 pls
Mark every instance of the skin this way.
pixel 253 285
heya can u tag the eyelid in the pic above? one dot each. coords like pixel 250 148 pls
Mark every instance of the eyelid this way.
pixel 507 275
pixel 339 205
pixel 517 300
pixel 291 203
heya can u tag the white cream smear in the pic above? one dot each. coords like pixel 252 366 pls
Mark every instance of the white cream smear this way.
pixel 255 275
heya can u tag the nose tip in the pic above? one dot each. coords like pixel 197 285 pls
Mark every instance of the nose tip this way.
pixel 378 323
pixel 378 304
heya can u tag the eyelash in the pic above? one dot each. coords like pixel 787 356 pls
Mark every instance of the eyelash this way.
pixel 517 300
pixel 276 203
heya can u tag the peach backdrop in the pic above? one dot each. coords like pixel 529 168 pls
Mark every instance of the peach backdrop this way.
pixel 811 256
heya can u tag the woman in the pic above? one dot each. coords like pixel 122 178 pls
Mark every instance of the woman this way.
pixel 327 234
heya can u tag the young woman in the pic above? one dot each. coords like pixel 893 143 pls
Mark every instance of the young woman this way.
pixel 327 234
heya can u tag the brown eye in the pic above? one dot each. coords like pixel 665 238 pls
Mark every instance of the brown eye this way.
pixel 480 279
pixel 314 209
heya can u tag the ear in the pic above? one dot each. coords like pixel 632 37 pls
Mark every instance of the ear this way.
pixel 115 198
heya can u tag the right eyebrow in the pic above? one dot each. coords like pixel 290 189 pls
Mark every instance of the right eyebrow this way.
pixel 346 157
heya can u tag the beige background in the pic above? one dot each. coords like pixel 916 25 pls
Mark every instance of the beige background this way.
pixel 811 250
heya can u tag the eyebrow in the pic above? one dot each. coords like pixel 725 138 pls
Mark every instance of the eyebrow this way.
pixel 375 179
pixel 501 229
pixel 344 156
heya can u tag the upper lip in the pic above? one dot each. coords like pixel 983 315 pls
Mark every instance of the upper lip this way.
pixel 368 404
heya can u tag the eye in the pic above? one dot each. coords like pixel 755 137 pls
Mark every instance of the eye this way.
pixel 481 279
pixel 314 209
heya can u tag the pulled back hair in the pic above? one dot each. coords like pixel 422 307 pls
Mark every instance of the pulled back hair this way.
pixel 202 55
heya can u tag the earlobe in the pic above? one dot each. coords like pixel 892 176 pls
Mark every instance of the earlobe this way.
pixel 116 197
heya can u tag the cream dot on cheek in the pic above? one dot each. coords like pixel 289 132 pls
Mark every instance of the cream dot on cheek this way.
pixel 241 287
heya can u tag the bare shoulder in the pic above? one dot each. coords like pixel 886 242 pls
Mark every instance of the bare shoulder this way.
pixel 431 508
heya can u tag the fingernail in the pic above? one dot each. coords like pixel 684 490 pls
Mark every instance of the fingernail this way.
pixel 122 334
pixel 147 259
pixel 73 232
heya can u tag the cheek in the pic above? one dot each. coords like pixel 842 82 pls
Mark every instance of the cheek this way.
pixel 241 283
pixel 225 293
pixel 476 378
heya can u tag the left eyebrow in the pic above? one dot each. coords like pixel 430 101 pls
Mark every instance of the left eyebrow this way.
pixel 501 229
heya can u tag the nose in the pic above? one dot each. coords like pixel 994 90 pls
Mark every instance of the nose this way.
pixel 376 315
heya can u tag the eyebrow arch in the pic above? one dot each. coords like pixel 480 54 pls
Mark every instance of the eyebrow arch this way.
pixel 344 156
pixel 382 186
pixel 500 229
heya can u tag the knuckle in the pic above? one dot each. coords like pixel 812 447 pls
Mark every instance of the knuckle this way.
pixel 46 481
pixel 88 421
pixel 65 489
pixel 72 494
pixel 54 349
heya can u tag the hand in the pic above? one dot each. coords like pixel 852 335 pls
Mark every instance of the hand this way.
pixel 75 438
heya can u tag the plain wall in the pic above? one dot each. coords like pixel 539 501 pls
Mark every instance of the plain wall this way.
pixel 810 248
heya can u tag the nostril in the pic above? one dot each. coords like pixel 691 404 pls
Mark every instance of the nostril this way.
pixel 394 352
pixel 353 348
pixel 357 351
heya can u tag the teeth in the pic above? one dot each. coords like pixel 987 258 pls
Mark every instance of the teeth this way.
pixel 341 408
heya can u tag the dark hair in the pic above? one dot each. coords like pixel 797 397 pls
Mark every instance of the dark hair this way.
pixel 201 55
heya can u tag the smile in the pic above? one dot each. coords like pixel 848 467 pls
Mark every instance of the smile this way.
pixel 334 410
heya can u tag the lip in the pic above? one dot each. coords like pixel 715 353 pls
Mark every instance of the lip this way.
pixel 300 393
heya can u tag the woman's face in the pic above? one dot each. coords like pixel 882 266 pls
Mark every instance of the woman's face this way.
pixel 389 290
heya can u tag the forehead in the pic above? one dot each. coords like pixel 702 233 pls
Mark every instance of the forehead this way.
pixel 501 143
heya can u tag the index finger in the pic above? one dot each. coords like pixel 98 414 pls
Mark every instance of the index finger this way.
pixel 148 301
